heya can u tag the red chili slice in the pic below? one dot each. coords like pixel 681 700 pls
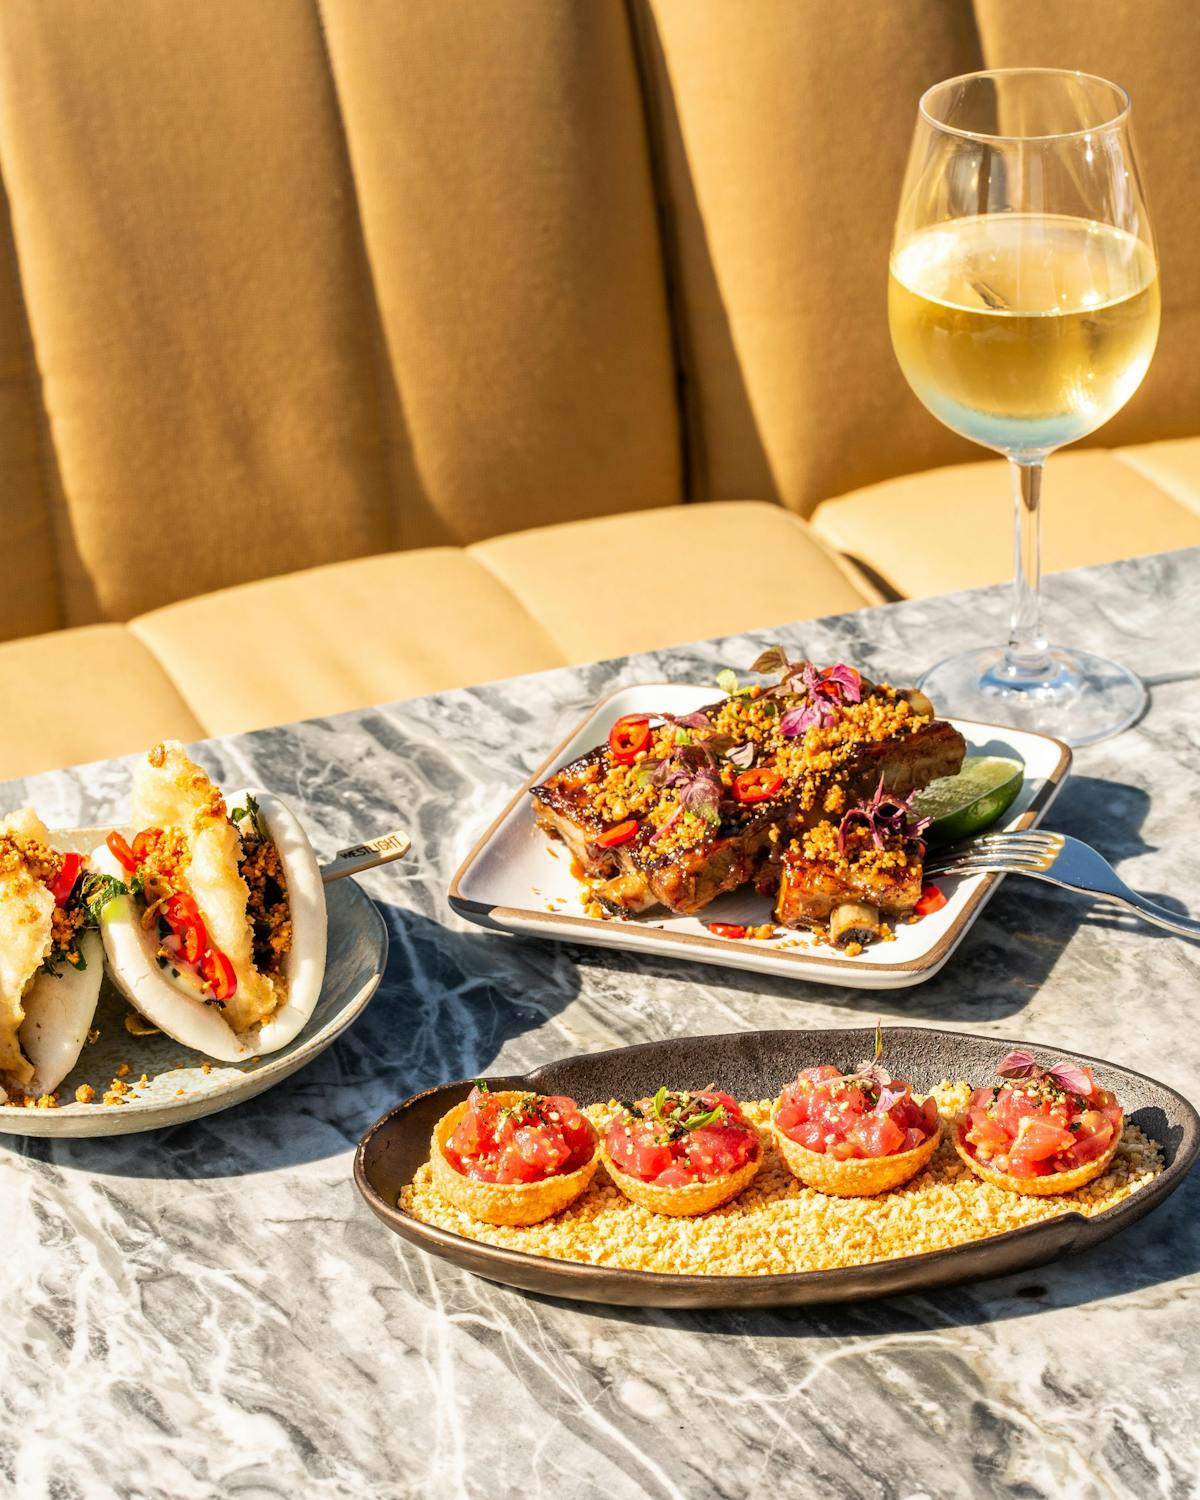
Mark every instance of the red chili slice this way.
pixel 141 844
pixel 121 851
pixel 931 900
pixel 184 919
pixel 628 735
pixel 219 973
pixel 619 833
pixel 179 908
pixel 67 876
pixel 192 941
pixel 726 929
pixel 756 785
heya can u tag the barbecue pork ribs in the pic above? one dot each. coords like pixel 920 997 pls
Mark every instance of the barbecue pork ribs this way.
pixel 675 811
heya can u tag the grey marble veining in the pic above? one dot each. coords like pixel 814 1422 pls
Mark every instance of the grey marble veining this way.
pixel 210 1311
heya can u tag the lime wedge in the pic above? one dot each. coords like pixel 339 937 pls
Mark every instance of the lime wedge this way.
pixel 966 804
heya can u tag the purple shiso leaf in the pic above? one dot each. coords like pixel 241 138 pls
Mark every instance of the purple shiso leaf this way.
pixel 851 683
pixel 702 796
pixel 1016 1065
pixel 791 683
pixel 773 659
pixel 795 721
pixel 696 720
pixel 847 679
pixel 693 793
pixel 719 744
pixel 1071 1078
pixel 741 756
pixel 686 760
pixel 791 673
pixel 698 791
pixel 651 772
pixel 880 813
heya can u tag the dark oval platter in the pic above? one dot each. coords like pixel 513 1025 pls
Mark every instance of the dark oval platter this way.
pixel 754 1065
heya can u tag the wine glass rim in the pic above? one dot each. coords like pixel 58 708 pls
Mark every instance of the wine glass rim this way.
pixel 1115 122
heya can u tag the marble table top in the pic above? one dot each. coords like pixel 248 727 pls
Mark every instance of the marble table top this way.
pixel 210 1310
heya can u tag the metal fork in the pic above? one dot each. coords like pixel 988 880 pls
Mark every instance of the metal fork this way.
pixel 1059 859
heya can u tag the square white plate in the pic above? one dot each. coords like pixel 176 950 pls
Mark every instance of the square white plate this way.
pixel 518 880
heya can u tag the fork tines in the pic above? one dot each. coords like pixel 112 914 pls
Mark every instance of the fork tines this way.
pixel 1028 850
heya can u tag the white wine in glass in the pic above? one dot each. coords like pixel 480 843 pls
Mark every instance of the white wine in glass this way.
pixel 1024 308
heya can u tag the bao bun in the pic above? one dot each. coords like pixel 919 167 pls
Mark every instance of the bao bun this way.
pixel 44 1017
pixel 59 1010
pixel 265 1013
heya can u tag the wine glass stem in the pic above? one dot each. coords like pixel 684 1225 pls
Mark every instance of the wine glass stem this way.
pixel 1027 656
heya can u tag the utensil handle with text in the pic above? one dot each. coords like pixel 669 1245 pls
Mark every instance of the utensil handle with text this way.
pixel 367 855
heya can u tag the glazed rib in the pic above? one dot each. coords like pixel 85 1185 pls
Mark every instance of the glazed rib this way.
pixel 813 891
pixel 686 869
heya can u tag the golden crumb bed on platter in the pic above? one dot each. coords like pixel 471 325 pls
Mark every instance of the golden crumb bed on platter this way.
pixel 777 1226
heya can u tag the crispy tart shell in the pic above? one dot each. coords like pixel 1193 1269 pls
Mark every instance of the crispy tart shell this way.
pixel 859 1177
pixel 684 1202
pixel 516 1203
pixel 1038 1187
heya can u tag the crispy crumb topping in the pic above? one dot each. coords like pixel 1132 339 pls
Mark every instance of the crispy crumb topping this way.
pixel 811 764
pixel 18 850
pixel 858 852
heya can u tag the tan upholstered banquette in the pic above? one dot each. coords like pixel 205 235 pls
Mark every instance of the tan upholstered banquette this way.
pixel 427 342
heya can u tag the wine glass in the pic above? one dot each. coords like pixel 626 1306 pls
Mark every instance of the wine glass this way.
pixel 1024 305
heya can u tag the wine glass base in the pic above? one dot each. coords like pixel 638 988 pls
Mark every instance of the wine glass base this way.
pixel 1079 698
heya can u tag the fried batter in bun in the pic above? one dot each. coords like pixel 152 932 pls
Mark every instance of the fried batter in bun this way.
pixel 202 854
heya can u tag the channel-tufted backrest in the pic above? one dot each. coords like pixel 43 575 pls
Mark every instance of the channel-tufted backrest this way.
pixel 297 292
pixel 785 128
pixel 290 281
